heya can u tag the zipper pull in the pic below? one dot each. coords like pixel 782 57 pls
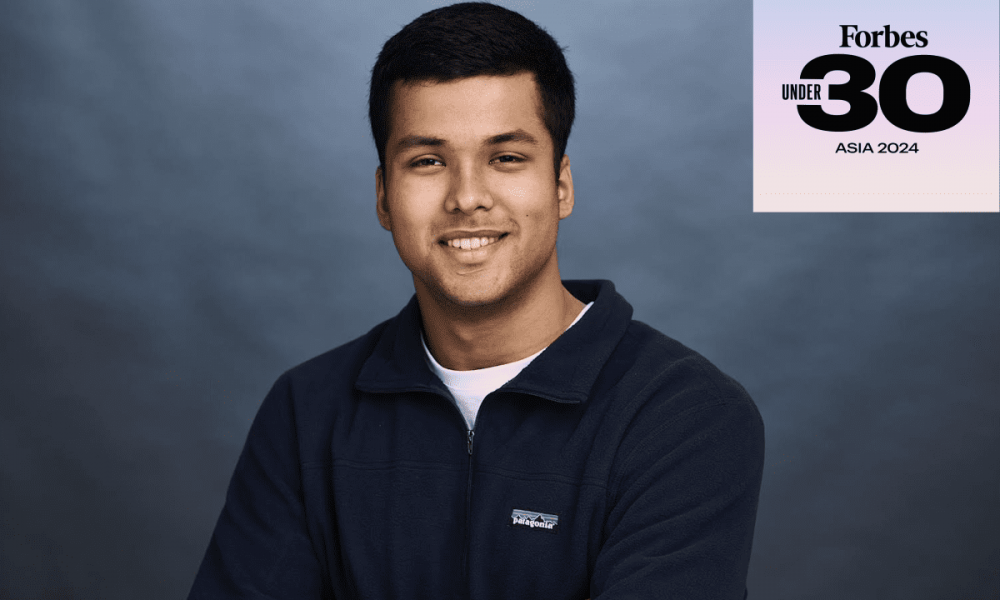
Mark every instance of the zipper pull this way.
pixel 471 433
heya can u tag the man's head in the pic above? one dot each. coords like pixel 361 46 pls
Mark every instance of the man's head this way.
pixel 469 40
pixel 468 193
pixel 465 182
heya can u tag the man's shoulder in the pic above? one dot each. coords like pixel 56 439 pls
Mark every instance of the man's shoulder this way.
pixel 666 392
pixel 622 363
pixel 651 344
pixel 668 371
pixel 338 365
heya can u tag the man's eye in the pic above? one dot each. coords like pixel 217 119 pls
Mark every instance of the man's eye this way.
pixel 508 158
pixel 425 162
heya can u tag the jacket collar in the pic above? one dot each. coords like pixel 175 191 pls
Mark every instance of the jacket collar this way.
pixel 565 372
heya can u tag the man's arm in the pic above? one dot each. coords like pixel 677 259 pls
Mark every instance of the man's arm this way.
pixel 261 547
pixel 683 506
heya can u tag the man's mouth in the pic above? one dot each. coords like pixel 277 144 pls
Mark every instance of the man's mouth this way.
pixel 472 242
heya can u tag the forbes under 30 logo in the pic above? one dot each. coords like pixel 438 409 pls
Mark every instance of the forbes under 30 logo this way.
pixel 891 89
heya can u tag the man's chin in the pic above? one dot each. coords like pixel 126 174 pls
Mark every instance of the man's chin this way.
pixel 481 293
pixel 472 298
pixel 474 301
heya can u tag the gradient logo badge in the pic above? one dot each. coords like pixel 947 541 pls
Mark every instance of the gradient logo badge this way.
pixel 534 520
pixel 876 106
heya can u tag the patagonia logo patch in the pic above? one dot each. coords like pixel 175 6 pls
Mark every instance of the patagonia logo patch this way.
pixel 529 519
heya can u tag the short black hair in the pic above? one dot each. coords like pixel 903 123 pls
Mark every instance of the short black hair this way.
pixel 471 39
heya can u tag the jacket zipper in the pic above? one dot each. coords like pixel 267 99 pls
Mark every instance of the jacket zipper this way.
pixel 468 514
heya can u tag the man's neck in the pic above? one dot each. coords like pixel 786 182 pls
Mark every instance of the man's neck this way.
pixel 463 339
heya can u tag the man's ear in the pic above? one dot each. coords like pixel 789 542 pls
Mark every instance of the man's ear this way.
pixel 381 204
pixel 564 189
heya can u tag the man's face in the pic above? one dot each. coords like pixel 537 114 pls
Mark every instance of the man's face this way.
pixel 469 193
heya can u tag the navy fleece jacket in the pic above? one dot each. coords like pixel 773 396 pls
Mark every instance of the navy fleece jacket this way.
pixel 619 464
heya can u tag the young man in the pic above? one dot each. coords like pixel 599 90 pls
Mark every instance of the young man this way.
pixel 508 434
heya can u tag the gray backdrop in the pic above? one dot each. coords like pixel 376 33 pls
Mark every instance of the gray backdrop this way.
pixel 188 210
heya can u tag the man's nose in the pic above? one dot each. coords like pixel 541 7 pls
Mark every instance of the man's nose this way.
pixel 469 191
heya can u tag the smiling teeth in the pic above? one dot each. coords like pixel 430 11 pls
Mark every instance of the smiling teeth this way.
pixel 472 243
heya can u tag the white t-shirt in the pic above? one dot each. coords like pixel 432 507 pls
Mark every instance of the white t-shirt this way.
pixel 468 388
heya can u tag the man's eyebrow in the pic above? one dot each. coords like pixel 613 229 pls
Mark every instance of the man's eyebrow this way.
pixel 518 135
pixel 412 141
